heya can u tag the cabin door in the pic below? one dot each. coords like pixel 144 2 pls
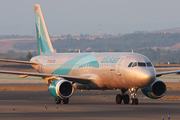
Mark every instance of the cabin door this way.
pixel 119 64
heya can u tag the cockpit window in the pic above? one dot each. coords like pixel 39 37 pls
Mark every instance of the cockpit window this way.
pixel 134 64
pixel 130 64
pixel 141 64
pixel 148 64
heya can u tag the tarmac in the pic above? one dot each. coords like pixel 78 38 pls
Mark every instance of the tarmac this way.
pixel 83 105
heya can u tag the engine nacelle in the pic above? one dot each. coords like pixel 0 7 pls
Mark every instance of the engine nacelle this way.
pixel 156 90
pixel 61 89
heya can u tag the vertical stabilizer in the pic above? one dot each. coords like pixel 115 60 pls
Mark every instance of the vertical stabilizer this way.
pixel 43 39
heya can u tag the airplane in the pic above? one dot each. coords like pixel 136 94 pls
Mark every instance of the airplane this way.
pixel 64 72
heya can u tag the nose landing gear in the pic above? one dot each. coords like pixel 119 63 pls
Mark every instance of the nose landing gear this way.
pixel 122 97
pixel 133 100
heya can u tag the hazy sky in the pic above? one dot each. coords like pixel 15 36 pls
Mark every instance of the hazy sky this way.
pixel 85 16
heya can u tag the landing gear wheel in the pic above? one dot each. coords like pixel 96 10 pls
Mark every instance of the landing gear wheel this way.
pixel 132 101
pixel 136 101
pixel 126 99
pixel 118 99
pixel 57 101
pixel 66 100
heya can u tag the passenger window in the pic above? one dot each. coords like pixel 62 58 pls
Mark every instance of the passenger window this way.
pixel 130 64
pixel 148 64
pixel 141 64
pixel 134 64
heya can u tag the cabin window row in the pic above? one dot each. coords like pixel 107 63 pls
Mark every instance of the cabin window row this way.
pixel 84 65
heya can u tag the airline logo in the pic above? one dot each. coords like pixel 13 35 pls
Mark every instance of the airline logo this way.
pixel 51 61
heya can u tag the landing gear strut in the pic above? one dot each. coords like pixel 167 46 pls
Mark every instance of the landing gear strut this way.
pixel 134 100
pixel 57 101
pixel 123 96
pixel 65 101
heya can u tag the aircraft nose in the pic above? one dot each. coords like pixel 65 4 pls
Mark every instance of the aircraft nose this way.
pixel 147 77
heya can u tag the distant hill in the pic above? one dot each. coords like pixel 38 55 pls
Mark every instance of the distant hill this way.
pixel 158 47
pixel 167 41
pixel 22 43
pixel 171 30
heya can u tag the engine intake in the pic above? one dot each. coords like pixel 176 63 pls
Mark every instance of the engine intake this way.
pixel 61 89
pixel 156 90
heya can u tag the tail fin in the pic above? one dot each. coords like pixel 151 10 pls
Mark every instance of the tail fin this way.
pixel 43 39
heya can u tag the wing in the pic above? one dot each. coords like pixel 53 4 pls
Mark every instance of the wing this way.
pixel 158 74
pixel 79 79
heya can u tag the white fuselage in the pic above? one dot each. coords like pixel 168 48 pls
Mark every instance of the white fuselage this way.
pixel 109 70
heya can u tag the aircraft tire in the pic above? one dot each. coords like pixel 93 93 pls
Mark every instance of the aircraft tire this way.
pixel 126 99
pixel 136 101
pixel 66 101
pixel 132 101
pixel 118 99
pixel 57 101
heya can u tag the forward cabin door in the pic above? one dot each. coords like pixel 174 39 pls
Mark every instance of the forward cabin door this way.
pixel 119 64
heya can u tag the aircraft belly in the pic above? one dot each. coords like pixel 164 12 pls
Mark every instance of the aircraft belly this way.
pixel 105 79
pixel 96 80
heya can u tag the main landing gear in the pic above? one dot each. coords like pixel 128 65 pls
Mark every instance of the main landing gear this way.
pixel 65 101
pixel 122 97
pixel 125 97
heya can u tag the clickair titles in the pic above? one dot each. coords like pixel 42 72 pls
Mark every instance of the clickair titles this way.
pixel 110 59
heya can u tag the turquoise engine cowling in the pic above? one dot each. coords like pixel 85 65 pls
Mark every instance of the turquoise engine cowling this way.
pixel 156 90
pixel 61 89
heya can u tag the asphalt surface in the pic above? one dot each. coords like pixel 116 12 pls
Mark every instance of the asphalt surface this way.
pixel 85 105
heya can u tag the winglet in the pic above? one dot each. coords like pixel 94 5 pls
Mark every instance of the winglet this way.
pixel 43 39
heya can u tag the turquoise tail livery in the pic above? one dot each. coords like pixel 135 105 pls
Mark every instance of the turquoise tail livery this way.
pixel 43 39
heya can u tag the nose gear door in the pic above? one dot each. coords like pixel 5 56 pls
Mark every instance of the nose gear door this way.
pixel 119 64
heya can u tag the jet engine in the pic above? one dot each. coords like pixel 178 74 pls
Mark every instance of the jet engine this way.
pixel 156 90
pixel 61 89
